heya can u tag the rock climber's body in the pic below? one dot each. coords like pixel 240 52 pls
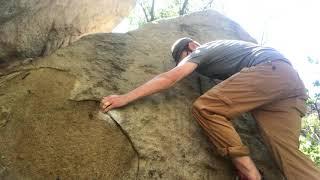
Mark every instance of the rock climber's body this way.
pixel 256 79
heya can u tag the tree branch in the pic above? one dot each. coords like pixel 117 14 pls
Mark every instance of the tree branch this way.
pixel 209 4
pixel 145 12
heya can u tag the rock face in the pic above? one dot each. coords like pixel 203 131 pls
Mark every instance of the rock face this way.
pixel 32 28
pixel 50 125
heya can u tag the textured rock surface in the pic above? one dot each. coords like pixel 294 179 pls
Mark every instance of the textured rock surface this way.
pixel 52 101
pixel 32 28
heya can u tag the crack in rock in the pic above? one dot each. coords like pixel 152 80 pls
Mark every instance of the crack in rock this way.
pixel 27 70
pixel 126 134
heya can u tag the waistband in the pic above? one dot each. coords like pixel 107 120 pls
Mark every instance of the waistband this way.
pixel 275 60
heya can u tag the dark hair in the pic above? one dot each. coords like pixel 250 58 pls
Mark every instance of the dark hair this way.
pixel 178 47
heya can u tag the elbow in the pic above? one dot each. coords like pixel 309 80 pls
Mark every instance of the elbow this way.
pixel 170 82
pixel 167 80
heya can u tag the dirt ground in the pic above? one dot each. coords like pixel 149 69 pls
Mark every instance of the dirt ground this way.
pixel 43 135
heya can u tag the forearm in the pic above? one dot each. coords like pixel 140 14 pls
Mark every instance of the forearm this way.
pixel 155 85
pixel 160 82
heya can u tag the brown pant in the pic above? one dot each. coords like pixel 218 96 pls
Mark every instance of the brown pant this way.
pixel 275 95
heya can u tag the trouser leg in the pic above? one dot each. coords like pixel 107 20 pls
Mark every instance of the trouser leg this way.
pixel 222 134
pixel 247 90
pixel 214 109
pixel 280 124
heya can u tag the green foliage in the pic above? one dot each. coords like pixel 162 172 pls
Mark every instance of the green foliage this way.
pixel 136 18
pixel 310 137
pixel 316 83
pixel 312 60
pixel 171 11
pixel 310 129
pixel 314 100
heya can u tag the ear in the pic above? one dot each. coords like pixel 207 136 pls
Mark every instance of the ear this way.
pixel 193 46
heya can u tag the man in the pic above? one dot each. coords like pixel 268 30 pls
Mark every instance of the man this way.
pixel 256 79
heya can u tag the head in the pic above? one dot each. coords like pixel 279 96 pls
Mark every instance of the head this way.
pixel 182 48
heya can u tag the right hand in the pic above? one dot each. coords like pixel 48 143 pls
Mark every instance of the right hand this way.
pixel 113 101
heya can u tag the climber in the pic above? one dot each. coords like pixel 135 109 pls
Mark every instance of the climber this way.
pixel 256 79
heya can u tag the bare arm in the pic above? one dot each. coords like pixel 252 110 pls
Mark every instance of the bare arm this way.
pixel 157 84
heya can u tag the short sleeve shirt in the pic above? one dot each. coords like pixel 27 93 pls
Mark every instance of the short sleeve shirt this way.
pixel 222 58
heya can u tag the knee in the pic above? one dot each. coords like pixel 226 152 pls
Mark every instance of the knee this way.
pixel 207 108
pixel 200 110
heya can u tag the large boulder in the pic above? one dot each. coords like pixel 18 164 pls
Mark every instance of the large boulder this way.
pixel 51 127
pixel 32 28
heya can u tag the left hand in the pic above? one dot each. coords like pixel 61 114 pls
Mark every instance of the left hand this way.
pixel 113 101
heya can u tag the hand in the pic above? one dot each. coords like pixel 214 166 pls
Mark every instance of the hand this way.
pixel 113 101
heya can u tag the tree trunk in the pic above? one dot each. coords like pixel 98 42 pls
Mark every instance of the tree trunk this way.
pixel 183 8
pixel 152 17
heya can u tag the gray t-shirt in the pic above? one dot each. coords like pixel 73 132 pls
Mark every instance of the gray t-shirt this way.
pixel 222 58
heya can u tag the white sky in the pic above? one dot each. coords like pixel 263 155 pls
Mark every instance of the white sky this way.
pixel 291 26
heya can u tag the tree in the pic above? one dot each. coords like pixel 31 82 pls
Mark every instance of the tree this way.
pixel 173 8
pixel 310 137
pixel 148 10
pixel 313 101
pixel 310 130
pixel 183 9
pixel 197 5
